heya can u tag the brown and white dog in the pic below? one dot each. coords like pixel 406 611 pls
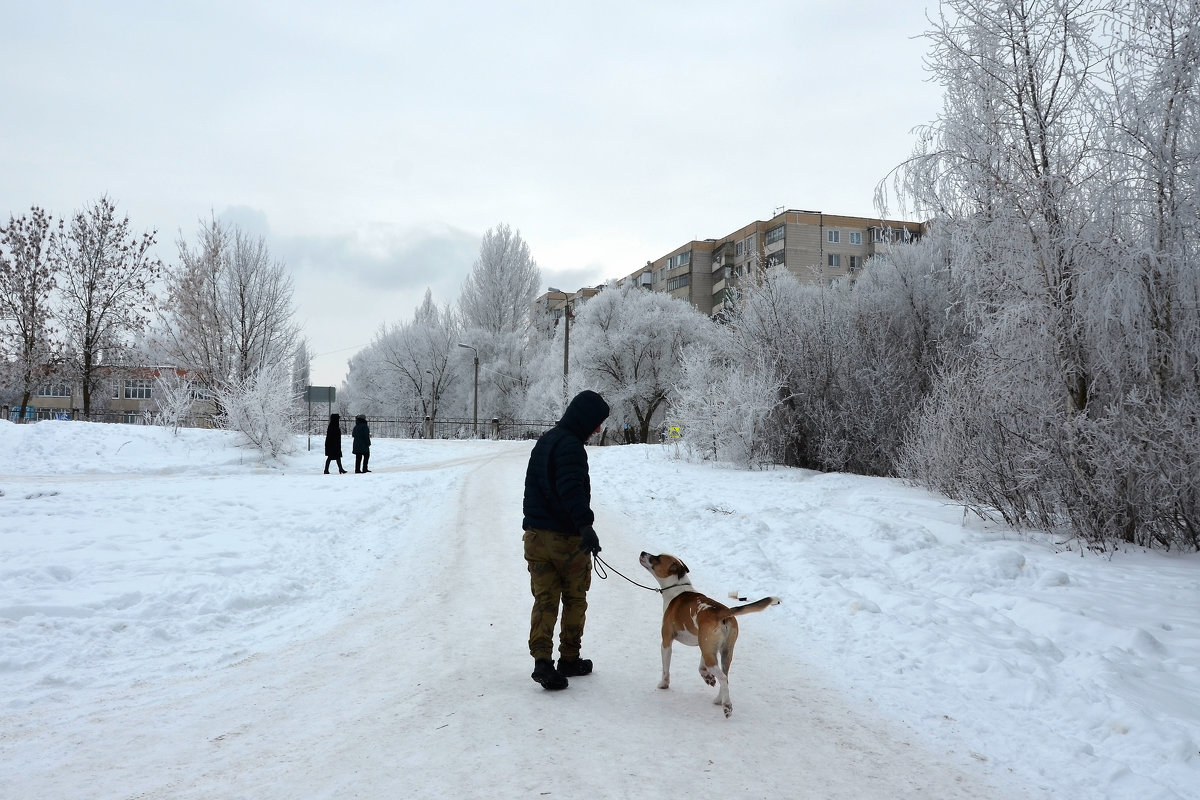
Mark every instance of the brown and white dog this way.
pixel 693 619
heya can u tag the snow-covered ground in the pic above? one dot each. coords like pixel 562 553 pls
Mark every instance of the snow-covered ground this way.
pixel 179 620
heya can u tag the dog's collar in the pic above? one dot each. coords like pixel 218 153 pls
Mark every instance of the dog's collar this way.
pixel 675 586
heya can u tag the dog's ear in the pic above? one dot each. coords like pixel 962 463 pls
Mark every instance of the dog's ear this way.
pixel 679 569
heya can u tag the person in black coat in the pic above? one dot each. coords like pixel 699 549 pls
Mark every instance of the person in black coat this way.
pixel 333 443
pixel 362 444
pixel 559 539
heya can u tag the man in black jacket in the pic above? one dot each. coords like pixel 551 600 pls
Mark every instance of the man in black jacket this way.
pixel 559 539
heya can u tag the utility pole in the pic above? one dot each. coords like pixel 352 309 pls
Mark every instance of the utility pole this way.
pixel 475 420
pixel 566 352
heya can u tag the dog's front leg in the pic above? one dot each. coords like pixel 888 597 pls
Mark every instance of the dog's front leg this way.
pixel 665 683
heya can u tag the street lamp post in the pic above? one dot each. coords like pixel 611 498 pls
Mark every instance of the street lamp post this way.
pixel 475 413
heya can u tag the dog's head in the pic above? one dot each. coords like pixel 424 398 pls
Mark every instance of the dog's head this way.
pixel 663 567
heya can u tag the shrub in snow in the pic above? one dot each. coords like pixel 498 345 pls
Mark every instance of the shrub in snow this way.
pixel 261 410
pixel 173 397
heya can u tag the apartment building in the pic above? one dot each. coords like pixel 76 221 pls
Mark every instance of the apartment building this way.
pixel 813 245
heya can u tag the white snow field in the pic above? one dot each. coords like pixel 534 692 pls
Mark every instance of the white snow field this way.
pixel 179 620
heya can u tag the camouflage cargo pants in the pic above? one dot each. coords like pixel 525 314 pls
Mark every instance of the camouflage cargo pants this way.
pixel 558 571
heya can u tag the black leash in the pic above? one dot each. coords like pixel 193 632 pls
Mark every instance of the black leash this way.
pixel 602 566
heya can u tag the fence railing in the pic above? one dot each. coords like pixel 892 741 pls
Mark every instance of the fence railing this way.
pixel 418 428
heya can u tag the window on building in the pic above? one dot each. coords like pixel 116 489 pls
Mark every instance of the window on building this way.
pixel 116 389
pixel 835 260
pixel 855 237
pixel 137 389
pixel 775 259
pixel 856 262
pixel 739 249
pixel 775 234
pixel 54 390
pixel 679 283
pixel 679 260
pixel 201 390
pixel 878 235
pixel 833 237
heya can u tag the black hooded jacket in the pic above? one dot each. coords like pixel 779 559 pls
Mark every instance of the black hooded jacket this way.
pixel 558 491
pixel 361 435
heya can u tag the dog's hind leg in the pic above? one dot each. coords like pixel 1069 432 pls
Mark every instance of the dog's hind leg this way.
pixel 713 674
pixel 722 699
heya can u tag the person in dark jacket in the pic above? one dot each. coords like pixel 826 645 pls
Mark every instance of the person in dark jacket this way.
pixel 362 444
pixel 559 539
pixel 333 443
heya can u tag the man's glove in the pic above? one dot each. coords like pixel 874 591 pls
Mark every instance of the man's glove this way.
pixel 588 540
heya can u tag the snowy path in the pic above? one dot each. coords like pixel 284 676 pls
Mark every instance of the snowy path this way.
pixel 424 692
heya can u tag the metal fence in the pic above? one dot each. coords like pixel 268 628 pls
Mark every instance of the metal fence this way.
pixel 418 428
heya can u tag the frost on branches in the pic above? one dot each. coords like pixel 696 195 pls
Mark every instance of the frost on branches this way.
pixel 262 410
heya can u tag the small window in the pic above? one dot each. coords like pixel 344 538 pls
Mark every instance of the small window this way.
pixel 775 234
pixel 835 260
pixel 856 263
pixel 856 237
pixel 833 237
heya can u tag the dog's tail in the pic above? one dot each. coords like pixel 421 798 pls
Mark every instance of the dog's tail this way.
pixel 757 605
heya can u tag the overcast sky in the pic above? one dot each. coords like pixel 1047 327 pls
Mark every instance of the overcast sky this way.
pixel 372 144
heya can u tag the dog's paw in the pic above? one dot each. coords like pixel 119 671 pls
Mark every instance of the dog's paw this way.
pixel 709 678
pixel 664 684
pixel 728 709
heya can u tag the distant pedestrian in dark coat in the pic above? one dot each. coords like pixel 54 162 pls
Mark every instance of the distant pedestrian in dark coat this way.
pixel 362 444
pixel 333 443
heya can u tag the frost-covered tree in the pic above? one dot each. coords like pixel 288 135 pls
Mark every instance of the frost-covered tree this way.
pixel 301 367
pixel 261 410
pixel 725 405
pixel 497 295
pixel 173 396
pixel 108 277
pixel 415 356
pixel 229 312
pixel 626 345
pixel 494 310
pixel 1063 173
pixel 28 277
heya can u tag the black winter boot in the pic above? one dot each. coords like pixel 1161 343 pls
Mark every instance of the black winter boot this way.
pixel 545 674
pixel 572 667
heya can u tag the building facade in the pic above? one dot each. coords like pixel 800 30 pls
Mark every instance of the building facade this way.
pixel 124 394
pixel 813 245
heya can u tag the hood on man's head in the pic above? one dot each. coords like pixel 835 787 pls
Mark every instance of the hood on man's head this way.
pixel 585 413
